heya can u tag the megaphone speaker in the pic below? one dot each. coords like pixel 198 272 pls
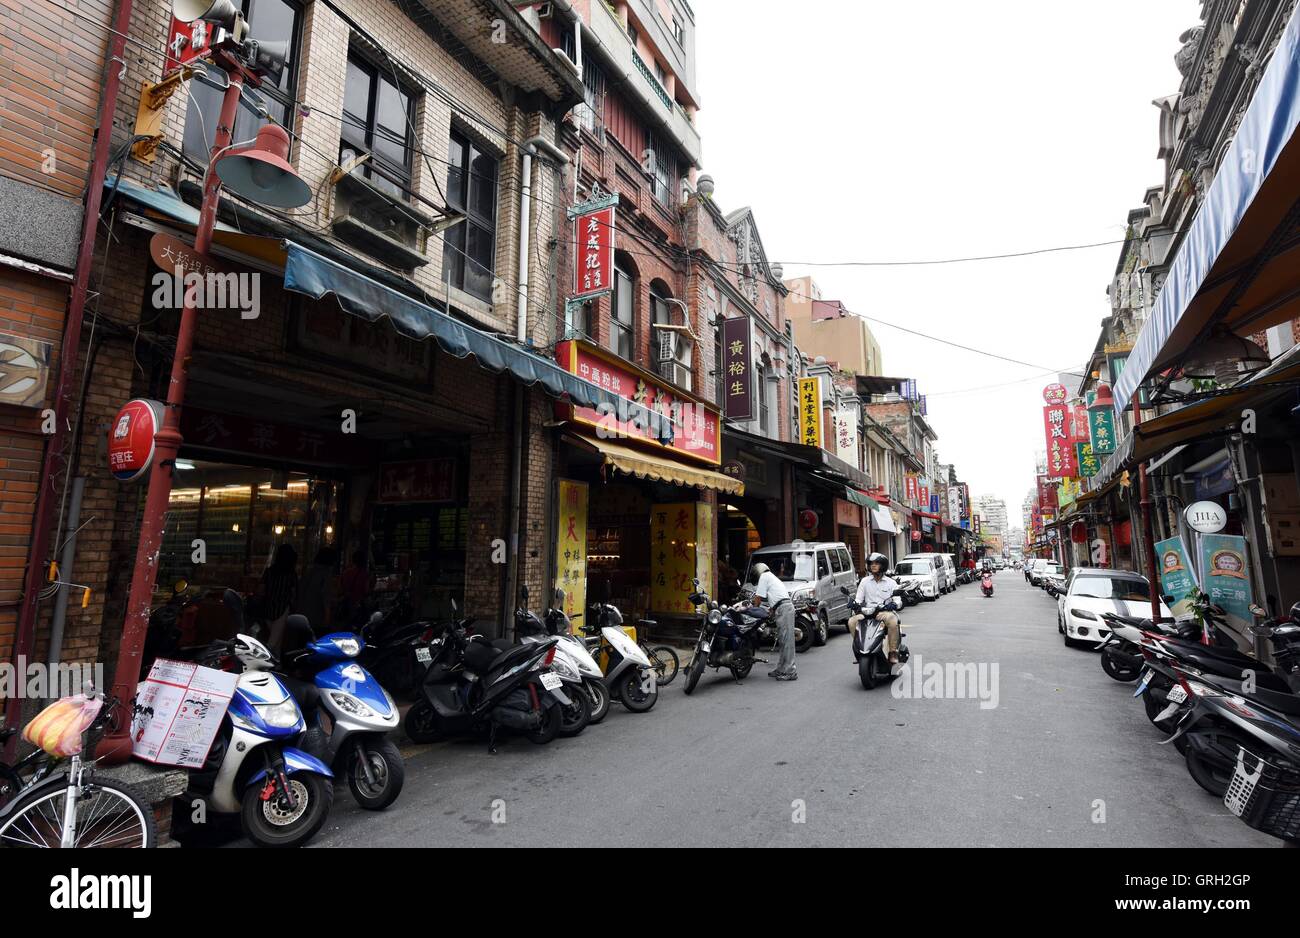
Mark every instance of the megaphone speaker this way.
pixel 220 12
pixel 269 57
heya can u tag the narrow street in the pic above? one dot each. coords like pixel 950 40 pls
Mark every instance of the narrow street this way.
pixel 724 766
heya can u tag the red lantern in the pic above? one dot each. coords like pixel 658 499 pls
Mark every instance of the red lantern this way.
pixel 1079 532
pixel 808 519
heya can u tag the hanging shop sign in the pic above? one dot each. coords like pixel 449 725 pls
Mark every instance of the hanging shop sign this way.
pixel 1089 464
pixel 977 522
pixel 954 503
pixel 847 514
pixel 131 439
pixel 1206 517
pixel 24 370
pixel 810 411
pixel 911 489
pixel 738 368
pixel 846 435
pixel 665 417
pixel 934 504
pixel 419 480
pixel 571 546
pixel 593 235
pixel 189 41
pixel 1055 394
pixel 1176 576
pixel 1101 427
pixel 681 538
pixel 1225 575
pixel 178 712
pixel 923 493
pixel 1060 447
pixel 265 439
pixel 1080 429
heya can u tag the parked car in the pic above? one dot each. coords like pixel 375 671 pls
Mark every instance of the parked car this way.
pixel 1054 583
pixel 1035 574
pixel 1049 568
pixel 925 570
pixel 813 570
pixel 946 569
pixel 1090 591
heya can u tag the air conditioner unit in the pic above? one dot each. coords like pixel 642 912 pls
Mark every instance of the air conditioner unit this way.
pixel 546 11
pixel 667 346
pixel 680 375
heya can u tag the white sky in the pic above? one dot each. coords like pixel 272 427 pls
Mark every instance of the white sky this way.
pixel 879 130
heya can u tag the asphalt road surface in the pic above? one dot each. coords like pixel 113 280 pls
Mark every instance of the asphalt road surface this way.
pixel 1065 758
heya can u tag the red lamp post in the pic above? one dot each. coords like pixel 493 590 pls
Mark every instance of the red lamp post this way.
pixel 262 173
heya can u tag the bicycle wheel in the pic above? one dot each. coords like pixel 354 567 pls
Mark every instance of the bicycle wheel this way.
pixel 108 814
pixel 665 663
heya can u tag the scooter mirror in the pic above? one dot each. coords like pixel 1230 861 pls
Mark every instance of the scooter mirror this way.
pixel 559 597
pixel 1258 611
pixel 525 593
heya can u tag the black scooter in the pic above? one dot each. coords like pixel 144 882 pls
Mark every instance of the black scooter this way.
pixel 472 685
pixel 870 642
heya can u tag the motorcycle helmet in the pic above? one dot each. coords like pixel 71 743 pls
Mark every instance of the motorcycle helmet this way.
pixel 756 571
pixel 880 559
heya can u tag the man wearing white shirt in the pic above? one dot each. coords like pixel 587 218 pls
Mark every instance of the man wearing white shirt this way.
pixel 771 590
pixel 876 589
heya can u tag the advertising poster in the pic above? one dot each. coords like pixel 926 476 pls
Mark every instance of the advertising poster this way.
pixel 571 546
pixel 673 533
pixel 178 710
pixel 1177 579
pixel 1225 575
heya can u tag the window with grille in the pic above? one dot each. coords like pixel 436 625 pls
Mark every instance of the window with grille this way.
pixel 593 111
pixel 661 168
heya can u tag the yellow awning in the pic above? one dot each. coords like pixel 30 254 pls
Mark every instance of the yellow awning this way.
pixel 648 466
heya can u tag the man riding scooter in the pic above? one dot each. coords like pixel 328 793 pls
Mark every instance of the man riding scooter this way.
pixel 876 589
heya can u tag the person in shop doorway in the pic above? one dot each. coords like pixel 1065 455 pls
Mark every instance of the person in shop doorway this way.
pixel 279 591
pixel 314 592
pixel 769 589
pixel 355 585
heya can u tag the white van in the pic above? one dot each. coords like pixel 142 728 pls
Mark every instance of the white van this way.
pixel 947 570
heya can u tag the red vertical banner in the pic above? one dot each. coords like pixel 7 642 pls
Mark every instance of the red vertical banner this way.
pixel 1060 443
pixel 911 489
pixel 593 234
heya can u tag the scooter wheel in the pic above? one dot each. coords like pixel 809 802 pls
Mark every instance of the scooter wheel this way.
pixel 866 672
pixel 272 823
pixel 387 768
pixel 598 693
pixel 552 720
pixel 422 724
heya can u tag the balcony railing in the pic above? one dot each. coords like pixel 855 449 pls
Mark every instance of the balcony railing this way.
pixel 654 82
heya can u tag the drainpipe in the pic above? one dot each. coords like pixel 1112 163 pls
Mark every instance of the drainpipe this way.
pixel 54 463
pixel 525 212
pixel 69 555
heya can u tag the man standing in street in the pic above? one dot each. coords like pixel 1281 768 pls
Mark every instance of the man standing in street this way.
pixel 876 589
pixel 771 590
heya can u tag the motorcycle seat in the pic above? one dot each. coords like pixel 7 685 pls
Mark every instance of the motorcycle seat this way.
pixel 1282 701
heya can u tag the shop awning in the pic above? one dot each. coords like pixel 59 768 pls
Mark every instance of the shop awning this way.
pixel 882 520
pixel 643 465
pixel 1237 265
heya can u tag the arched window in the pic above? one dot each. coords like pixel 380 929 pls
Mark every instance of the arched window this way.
pixel 622 318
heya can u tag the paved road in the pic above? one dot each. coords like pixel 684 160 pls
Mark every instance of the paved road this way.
pixel 729 765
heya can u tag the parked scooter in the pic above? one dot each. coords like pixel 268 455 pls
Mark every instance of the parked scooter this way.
pixel 472 686
pixel 730 637
pixel 557 623
pixel 329 683
pixel 281 793
pixel 986 584
pixel 871 642
pixel 628 673
pixel 576 714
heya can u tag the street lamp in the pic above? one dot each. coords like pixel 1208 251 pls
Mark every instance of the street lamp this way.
pixel 257 171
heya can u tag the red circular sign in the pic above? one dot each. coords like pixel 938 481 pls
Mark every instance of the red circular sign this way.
pixel 131 439
pixel 1055 393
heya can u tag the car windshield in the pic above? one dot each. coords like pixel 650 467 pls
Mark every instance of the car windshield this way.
pixel 913 567
pixel 1107 587
pixel 1052 568
pixel 789 565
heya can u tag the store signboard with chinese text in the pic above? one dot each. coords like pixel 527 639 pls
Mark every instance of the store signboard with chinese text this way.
pixel 664 417
pixel 1101 426
pixel 674 559
pixel 1060 445
pixel 418 480
pixel 810 411
pixel 1225 576
pixel 738 369
pixel 1089 464
pixel 1177 579
pixel 593 234
pixel 846 435
pixel 571 546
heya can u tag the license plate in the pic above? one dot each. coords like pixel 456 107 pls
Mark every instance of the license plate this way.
pixel 1142 684
pixel 1176 694
pixel 423 655
pixel 551 681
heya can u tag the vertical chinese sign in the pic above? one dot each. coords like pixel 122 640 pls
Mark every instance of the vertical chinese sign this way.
pixel 810 411
pixel 923 493
pixel 571 546
pixel 593 233
pixel 737 367
pixel 846 435
pixel 674 530
pixel 1225 576
pixel 1089 464
pixel 1101 425
pixel 910 489
pixel 1060 446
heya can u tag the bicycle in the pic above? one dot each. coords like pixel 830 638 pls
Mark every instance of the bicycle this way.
pixel 74 809
pixel 663 658
pixel 24 773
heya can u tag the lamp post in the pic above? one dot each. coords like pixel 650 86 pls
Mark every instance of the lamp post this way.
pixel 261 173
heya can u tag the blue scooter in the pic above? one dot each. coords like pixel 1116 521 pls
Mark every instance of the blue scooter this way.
pixel 349 715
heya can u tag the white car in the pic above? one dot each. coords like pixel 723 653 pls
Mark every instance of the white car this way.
pixel 924 570
pixel 1089 592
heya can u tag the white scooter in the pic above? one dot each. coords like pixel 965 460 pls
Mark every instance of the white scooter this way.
pixel 628 673
pixel 282 794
